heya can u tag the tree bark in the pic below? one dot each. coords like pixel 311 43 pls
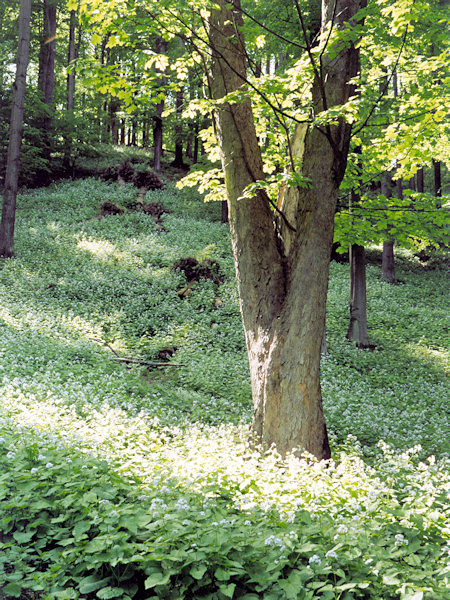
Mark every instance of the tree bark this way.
pixel 161 48
pixel 282 273
pixel 71 56
pixel 437 178
pixel 15 134
pixel 357 329
pixel 387 260
pixel 420 182
pixel 46 76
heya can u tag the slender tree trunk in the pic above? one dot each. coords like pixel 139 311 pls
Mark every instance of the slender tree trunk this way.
pixel 46 78
pixel 71 55
pixel 437 178
pixel 387 260
pixel 15 134
pixel 282 273
pixel 178 160
pixel 161 48
pixel 357 329
pixel 420 182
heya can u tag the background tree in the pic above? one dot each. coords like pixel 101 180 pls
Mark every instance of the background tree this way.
pixel 15 135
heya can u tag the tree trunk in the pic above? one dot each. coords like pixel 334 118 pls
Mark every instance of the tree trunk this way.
pixel 71 55
pixel 357 329
pixel 282 273
pixel 161 48
pixel 46 77
pixel 15 134
pixel 178 160
pixel 437 178
pixel 420 183
pixel 387 261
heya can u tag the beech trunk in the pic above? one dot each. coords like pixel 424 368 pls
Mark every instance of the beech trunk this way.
pixel 282 273
pixel 15 134
pixel 357 329
pixel 46 78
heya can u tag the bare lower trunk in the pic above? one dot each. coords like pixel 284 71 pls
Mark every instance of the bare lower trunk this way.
pixel 15 134
pixel 387 261
pixel 282 271
pixel 157 139
pixel 357 329
pixel 46 80
pixel 437 178
pixel 420 182
pixel 161 48
pixel 71 55
pixel 388 264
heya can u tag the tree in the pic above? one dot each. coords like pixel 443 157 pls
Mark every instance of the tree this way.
pixel 46 80
pixel 15 137
pixel 282 270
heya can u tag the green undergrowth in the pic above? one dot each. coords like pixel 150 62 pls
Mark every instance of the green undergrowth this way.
pixel 120 480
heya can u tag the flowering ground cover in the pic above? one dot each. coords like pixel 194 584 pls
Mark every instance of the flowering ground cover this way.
pixel 127 481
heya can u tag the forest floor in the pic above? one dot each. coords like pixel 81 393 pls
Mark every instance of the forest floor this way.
pixel 125 402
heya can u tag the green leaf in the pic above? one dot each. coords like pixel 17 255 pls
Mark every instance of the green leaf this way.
pixel 80 528
pixel 13 589
pixel 23 537
pixel 92 584
pixel 110 592
pixel 222 574
pixel 198 571
pixel 227 590
pixel 156 579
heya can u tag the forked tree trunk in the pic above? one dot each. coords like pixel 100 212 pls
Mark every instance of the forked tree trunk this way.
pixel 15 134
pixel 282 274
pixel 357 328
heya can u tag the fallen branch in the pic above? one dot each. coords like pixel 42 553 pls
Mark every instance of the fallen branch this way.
pixel 138 361
pixel 135 361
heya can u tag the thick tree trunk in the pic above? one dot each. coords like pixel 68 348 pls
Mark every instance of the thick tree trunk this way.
pixel 357 329
pixel 282 273
pixel 15 134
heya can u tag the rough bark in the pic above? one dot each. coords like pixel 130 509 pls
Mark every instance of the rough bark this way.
pixel 282 273
pixel 15 134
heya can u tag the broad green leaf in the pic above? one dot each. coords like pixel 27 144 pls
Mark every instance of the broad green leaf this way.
pixel 156 579
pixel 110 592
pixel 92 583
pixel 198 571
pixel 23 537
pixel 12 589
pixel 228 590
